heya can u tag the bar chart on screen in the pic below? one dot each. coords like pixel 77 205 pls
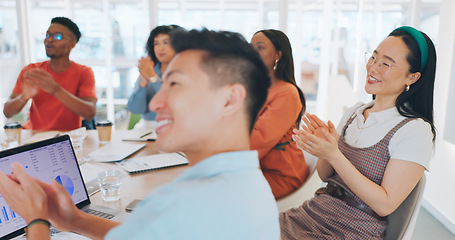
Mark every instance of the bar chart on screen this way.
pixel 8 214
pixel 8 218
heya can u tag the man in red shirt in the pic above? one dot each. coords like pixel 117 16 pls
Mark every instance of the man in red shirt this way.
pixel 62 91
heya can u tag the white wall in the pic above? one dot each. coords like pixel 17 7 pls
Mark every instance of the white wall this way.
pixel 439 196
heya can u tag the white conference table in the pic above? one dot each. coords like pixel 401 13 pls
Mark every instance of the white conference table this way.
pixel 134 186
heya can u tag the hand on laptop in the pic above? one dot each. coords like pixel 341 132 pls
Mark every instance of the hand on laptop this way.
pixel 24 194
pixel 33 199
pixel 63 212
pixel 30 198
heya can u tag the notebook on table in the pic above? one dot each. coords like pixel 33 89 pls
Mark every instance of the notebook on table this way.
pixel 153 162
pixel 140 135
pixel 47 160
pixel 113 152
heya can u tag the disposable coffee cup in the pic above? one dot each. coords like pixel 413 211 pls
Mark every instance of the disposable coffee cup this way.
pixel 13 129
pixel 104 131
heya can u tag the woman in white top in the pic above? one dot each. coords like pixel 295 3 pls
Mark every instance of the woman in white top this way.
pixel 380 151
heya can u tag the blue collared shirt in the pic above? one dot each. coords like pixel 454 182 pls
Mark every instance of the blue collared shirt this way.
pixel 139 100
pixel 222 197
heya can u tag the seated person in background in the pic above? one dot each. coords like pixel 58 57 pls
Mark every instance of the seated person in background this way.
pixel 206 108
pixel 382 149
pixel 160 54
pixel 62 91
pixel 282 162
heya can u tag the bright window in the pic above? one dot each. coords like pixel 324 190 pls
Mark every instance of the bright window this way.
pixel 115 33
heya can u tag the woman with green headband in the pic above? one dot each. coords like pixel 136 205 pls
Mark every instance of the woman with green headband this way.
pixel 379 151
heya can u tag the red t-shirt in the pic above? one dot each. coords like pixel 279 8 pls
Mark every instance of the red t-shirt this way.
pixel 46 112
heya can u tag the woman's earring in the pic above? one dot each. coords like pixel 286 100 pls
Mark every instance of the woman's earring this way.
pixel 276 64
pixel 408 87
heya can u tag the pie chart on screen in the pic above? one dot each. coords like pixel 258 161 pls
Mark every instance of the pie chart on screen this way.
pixel 66 182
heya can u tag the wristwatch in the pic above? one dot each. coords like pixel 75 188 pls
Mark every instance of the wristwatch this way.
pixel 153 79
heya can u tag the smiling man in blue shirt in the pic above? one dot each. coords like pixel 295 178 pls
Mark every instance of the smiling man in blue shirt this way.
pixel 206 108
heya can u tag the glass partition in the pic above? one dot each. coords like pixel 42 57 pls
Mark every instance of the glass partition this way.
pixel 115 32
pixel 10 52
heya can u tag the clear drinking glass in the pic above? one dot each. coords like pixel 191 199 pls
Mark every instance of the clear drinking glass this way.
pixel 110 184
pixel 77 139
pixel 9 139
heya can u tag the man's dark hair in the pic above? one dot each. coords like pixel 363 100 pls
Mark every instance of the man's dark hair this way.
pixel 229 59
pixel 69 24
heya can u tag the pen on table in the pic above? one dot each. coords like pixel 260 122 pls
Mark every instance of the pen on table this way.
pixel 146 134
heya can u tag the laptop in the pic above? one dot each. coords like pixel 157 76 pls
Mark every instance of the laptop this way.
pixel 47 160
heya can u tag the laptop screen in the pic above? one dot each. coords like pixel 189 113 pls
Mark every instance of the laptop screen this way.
pixel 46 160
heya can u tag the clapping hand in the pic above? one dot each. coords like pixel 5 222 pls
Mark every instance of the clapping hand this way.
pixel 33 199
pixel 146 70
pixel 39 78
pixel 316 137
pixel 28 90
pixel 24 194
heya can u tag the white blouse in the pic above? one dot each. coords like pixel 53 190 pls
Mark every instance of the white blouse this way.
pixel 412 142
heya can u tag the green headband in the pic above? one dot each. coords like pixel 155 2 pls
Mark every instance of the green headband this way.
pixel 420 39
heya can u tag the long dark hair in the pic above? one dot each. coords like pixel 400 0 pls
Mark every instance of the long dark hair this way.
pixel 418 101
pixel 285 66
pixel 163 29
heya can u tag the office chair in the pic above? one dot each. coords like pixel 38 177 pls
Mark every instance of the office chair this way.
pixel 89 125
pixel 306 191
pixel 402 221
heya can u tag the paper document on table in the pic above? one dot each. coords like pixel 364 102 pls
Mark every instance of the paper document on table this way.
pixel 113 152
pixel 140 135
pixel 90 171
pixel 42 136
pixel 90 175
pixel 153 162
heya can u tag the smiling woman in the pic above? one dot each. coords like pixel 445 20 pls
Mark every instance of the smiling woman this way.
pixel 151 68
pixel 388 72
pixel 375 146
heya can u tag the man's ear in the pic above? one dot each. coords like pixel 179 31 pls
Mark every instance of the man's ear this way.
pixel 235 98
pixel 73 44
